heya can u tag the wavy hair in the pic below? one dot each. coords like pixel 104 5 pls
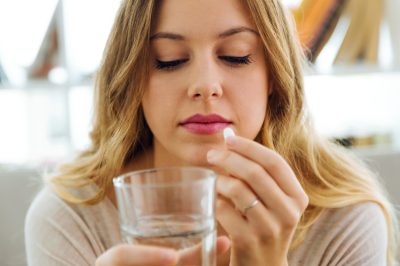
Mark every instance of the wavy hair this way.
pixel 330 175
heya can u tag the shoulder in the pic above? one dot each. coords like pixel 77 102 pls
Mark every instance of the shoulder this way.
pixel 46 206
pixel 359 234
pixel 352 235
pixel 59 233
pixel 355 218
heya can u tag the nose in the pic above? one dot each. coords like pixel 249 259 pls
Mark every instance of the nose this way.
pixel 205 84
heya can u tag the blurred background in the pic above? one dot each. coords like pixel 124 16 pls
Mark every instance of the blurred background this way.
pixel 50 50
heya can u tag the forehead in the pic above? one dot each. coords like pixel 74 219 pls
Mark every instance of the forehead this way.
pixel 201 17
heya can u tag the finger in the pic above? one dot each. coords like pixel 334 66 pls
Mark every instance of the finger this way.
pixel 137 255
pixel 223 245
pixel 270 160
pixel 236 190
pixel 263 185
pixel 273 162
pixel 242 197
pixel 193 255
pixel 231 219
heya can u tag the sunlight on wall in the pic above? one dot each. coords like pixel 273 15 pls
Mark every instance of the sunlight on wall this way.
pixel 355 104
pixel 21 42
pixel 85 38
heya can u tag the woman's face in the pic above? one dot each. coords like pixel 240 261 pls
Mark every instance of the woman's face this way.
pixel 208 72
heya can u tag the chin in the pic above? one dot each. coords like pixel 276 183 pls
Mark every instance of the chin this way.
pixel 196 157
pixel 200 160
pixel 190 154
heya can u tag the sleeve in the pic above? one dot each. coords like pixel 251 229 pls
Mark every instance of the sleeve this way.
pixel 359 238
pixel 55 234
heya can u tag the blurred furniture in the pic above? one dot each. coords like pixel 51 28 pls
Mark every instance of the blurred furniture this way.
pixel 360 20
pixel 387 164
pixel 18 186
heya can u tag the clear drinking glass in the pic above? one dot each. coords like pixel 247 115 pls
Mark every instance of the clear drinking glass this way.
pixel 169 207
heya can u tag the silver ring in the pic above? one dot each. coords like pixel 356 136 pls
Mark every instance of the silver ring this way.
pixel 251 205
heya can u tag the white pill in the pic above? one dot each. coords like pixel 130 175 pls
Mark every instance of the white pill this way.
pixel 228 132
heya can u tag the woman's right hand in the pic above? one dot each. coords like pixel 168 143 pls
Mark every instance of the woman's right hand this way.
pixel 140 255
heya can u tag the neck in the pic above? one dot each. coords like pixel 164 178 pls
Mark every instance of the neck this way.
pixel 143 160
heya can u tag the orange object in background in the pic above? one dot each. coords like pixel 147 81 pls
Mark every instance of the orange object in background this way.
pixel 315 21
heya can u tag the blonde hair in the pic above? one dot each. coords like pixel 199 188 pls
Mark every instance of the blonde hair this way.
pixel 331 177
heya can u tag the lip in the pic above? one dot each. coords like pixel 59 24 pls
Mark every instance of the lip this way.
pixel 205 124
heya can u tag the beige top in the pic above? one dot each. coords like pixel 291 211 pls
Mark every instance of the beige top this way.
pixel 58 233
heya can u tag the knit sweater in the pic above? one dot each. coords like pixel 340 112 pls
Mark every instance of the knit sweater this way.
pixel 58 233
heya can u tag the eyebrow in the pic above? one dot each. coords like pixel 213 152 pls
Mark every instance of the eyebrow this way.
pixel 178 37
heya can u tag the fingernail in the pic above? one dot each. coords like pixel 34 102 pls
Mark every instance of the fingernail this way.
pixel 212 155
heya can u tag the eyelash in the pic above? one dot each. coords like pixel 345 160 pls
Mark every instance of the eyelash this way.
pixel 169 65
pixel 233 61
pixel 237 60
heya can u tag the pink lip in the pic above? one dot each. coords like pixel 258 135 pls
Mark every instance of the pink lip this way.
pixel 205 124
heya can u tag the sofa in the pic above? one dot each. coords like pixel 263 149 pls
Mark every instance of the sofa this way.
pixel 18 186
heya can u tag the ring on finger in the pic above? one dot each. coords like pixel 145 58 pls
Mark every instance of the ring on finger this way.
pixel 251 205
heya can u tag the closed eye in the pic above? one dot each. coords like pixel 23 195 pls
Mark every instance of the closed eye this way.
pixel 231 60
pixel 170 65
pixel 237 60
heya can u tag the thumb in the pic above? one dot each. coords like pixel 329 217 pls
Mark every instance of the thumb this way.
pixel 192 256
pixel 223 245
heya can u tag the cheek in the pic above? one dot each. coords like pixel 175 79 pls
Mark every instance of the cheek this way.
pixel 154 93
pixel 151 104
pixel 250 103
pixel 252 88
pixel 253 105
pixel 159 102
pixel 163 88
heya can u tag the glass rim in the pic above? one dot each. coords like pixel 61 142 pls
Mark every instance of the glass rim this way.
pixel 118 181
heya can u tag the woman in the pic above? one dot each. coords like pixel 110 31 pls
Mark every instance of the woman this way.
pixel 175 74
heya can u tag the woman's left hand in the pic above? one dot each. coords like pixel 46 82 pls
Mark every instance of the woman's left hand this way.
pixel 261 233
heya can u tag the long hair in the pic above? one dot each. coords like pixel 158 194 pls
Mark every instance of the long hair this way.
pixel 330 175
